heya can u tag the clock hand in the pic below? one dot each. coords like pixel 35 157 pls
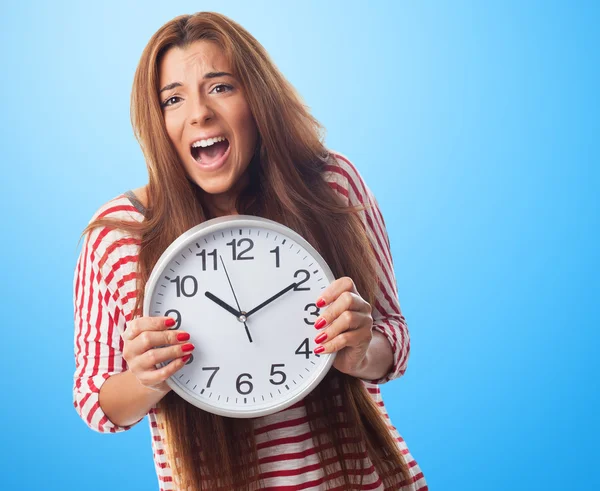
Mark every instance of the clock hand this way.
pixel 269 300
pixel 241 317
pixel 220 302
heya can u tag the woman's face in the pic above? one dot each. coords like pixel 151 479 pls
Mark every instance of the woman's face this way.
pixel 202 101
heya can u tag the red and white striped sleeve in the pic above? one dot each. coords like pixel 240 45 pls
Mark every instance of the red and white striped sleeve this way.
pixel 99 321
pixel 387 315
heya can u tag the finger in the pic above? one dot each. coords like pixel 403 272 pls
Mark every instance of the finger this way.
pixel 349 339
pixel 159 375
pixel 148 340
pixel 142 324
pixel 346 301
pixel 335 289
pixel 153 357
pixel 347 322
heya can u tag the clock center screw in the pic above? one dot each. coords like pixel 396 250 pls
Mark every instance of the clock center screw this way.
pixel 242 318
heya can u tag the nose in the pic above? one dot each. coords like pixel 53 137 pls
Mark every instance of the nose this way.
pixel 200 112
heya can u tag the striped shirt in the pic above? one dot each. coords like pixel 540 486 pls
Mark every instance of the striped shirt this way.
pixel 104 297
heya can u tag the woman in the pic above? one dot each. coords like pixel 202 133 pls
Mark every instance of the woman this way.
pixel 224 133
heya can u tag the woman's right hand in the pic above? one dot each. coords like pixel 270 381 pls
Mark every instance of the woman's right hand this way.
pixel 141 340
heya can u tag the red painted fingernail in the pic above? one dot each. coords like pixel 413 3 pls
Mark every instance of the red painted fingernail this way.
pixel 183 336
pixel 320 323
pixel 169 322
pixel 320 303
pixel 319 349
pixel 320 338
pixel 187 347
pixel 185 358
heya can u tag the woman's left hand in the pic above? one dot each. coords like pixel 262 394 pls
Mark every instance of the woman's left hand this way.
pixel 345 326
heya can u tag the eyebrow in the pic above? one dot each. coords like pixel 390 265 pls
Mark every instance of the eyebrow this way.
pixel 208 75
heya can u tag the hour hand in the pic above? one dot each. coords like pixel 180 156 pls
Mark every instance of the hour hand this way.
pixel 220 302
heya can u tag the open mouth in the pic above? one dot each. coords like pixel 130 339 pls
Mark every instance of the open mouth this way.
pixel 206 152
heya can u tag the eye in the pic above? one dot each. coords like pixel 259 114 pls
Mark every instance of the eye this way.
pixel 221 88
pixel 171 100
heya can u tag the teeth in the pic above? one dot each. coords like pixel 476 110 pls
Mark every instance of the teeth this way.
pixel 209 142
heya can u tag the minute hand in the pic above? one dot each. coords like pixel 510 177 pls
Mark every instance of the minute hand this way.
pixel 269 300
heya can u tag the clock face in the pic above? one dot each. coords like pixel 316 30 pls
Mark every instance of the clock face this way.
pixel 245 288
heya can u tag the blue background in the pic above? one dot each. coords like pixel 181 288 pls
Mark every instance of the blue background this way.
pixel 476 125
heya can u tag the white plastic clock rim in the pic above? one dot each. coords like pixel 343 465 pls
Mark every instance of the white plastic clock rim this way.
pixel 212 226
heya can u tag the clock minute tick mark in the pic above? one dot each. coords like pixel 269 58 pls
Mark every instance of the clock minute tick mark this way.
pixel 279 390
pixel 183 256
pixel 164 286
pixel 210 395
pixel 161 294
pixel 195 387
pixel 240 231
pixel 187 381
pixel 315 271
pixel 190 250
pixel 306 369
pixel 313 362
pixel 181 375
pixel 287 387
pixel 202 391
pixel 166 277
pixel 198 245
pixel 245 401
pixel 283 241
pixel 310 264
pixel 300 375
pixel 178 264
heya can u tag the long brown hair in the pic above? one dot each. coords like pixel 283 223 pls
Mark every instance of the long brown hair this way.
pixel 286 185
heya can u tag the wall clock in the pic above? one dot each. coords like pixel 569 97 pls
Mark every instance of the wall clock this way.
pixel 245 288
